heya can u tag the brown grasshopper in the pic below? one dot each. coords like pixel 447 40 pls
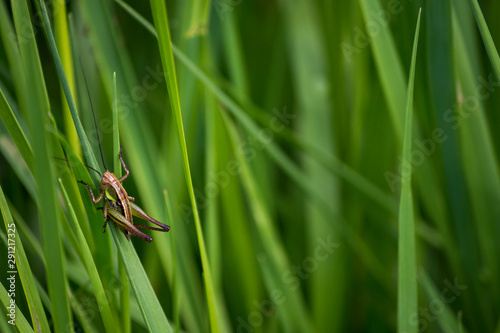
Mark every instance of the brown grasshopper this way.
pixel 118 205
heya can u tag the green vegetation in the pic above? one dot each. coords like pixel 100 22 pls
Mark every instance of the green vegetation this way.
pixel 318 173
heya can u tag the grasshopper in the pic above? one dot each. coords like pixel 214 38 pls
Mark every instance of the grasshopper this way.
pixel 118 205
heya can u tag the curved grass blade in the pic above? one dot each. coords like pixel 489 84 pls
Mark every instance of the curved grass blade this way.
pixel 21 322
pixel 37 109
pixel 11 49
pixel 86 148
pixel 15 131
pixel 159 12
pixel 407 266
pixel 38 316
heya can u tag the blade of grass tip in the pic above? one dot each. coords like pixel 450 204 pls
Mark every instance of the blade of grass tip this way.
pixel 124 283
pixel 86 148
pixel 407 279
pixel 22 266
pixel 392 80
pixel 111 324
pixel 20 321
pixel 37 109
pixel 159 11
pixel 61 29
pixel 175 293
pixel 151 309
pixel 487 38
pixel 446 319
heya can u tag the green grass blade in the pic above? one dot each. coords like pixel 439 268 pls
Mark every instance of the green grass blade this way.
pixel 392 80
pixel 175 291
pixel 11 48
pixel 111 324
pixel 117 167
pixel 482 176
pixel 62 31
pixel 38 316
pixel 159 11
pixel 87 149
pixel 407 257
pixel 37 107
pixel 487 38
pixel 309 64
pixel 274 262
pixel 152 311
pixel 442 90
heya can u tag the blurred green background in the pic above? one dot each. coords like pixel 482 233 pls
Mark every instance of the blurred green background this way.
pixel 291 117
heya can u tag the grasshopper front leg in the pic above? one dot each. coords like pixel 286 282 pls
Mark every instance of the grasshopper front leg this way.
pixel 94 200
pixel 124 166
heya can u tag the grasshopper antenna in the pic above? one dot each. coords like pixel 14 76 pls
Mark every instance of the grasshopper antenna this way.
pixel 68 163
pixel 93 114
